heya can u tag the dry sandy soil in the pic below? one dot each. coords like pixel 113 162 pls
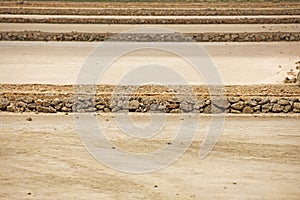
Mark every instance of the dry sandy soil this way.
pixel 216 4
pixel 255 158
pixel 59 62
pixel 182 28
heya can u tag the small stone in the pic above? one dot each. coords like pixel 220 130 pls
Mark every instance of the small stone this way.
pixel 58 107
pixel 52 110
pixel 120 104
pixel 174 101
pixel 296 105
pixel 27 99
pixel 287 108
pixel 220 103
pixel 276 108
pixel 56 101
pixel 161 107
pixel 21 104
pixel 65 109
pixel 115 109
pixel 273 100
pixel 113 104
pixel 264 101
pixel 153 107
pixel 186 107
pixel 38 102
pixel 106 110
pixel 31 106
pixel 248 110
pixel 175 111
pixel 238 106
pixel 3 103
pixel 207 102
pixel 201 103
pixel 67 102
pixel 235 111
pixel 11 108
pixel 42 109
pixel 173 106
pixel 251 103
pixel 134 104
pixel 256 108
pixel 29 119
pixel 233 99
pixel 100 107
pixel 207 110
pixel 296 110
pixel 283 102
pixel 266 108
pixel 257 99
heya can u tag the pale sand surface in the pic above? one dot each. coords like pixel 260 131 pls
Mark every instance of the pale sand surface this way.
pixel 146 17
pixel 116 28
pixel 255 158
pixel 59 62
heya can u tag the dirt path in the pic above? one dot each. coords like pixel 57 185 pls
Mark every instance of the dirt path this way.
pixel 255 157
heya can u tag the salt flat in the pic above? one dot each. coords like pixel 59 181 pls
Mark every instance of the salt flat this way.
pixel 182 28
pixel 255 157
pixel 59 62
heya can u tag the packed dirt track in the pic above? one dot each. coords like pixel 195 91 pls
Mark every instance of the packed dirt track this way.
pixel 254 158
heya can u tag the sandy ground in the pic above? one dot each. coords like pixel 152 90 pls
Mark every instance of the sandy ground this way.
pixel 59 62
pixel 156 6
pixel 145 17
pixel 254 158
pixel 173 5
pixel 116 28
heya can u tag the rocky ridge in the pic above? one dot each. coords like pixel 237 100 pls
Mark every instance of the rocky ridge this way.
pixel 150 37
pixel 260 99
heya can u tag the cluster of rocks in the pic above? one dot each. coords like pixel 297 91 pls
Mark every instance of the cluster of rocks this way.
pixel 151 37
pixel 243 20
pixel 206 105
pixel 45 36
pixel 149 12
pixel 293 76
